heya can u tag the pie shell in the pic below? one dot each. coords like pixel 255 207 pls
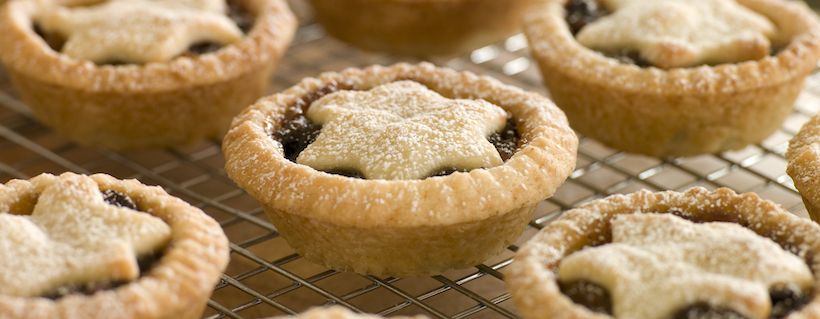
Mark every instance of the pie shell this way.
pixel 402 227
pixel 532 276
pixel 177 287
pixel 804 165
pixel 143 106
pixel 676 112
pixel 421 27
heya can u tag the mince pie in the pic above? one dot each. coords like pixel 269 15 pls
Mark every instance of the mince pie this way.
pixel 405 170
pixel 695 254
pixel 674 78
pixel 77 246
pixel 804 165
pixel 144 73
pixel 421 28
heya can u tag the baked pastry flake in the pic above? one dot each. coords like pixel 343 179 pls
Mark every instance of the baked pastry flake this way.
pixel 679 111
pixel 77 246
pixel 708 253
pixel 398 227
pixel 125 90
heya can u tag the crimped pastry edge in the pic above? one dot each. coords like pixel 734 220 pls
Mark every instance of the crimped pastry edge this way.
pixel 552 40
pixel 26 53
pixel 177 287
pixel 532 277
pixel 803 166
pixel 677 112
pixel 256 162
pixel 297 197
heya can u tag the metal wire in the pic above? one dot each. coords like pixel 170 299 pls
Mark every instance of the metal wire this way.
pixel 266 278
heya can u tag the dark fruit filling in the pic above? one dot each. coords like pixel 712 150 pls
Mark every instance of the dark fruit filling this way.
pixel 243 18
pixel 296 135
pixel 444 171
pixel 506 141
pixel 244 21
pixel 583 12
pixel 119 199
pixel 145 261
pixel 348 172
pixel 592 296
pixel 706 311
pixel 629 57
pixel 202 48
pixel 785 299
pixel 54 40
pixel 298 132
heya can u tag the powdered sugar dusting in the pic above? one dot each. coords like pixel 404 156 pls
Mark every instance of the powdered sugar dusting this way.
pixel 402 130
pixel 139 31
pixel 655 255
pixel 73 237
pixel 681 33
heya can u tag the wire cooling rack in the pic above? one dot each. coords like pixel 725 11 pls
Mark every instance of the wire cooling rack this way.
pixel 267 278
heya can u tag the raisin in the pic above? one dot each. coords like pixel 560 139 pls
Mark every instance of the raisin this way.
pixel 119 199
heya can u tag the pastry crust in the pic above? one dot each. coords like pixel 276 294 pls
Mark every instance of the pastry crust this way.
pixel 143 106
pixel 421 28
pixel 804 165
pixel 532 276
pixel 681 111
pixel 178 286
pixel 402 227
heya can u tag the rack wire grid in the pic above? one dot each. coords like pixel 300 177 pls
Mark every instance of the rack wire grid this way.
pixel 267 278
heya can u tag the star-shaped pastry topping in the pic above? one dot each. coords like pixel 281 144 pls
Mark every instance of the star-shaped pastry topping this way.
pixel 402 130
pixel 139 31
pixel 74 237
pixel 681 33
pixel 658 264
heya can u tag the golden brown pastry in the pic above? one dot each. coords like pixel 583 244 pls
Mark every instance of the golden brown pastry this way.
pixel 674 78
pixel 804 165
pixel 77 246
pixel 692 254
pixel 421 28
pixel 396 126
pixel 139 74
